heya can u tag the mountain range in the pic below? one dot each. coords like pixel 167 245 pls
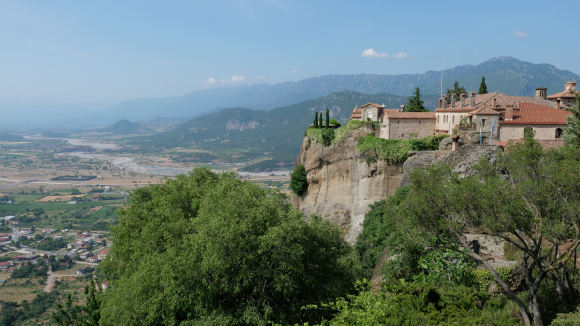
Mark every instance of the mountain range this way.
pixel 505 74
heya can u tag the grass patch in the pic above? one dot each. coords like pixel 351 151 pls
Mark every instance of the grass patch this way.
pixel 346 129
pixel 27 198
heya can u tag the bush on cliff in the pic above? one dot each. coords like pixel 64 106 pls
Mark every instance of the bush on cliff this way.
pixel 298 180
pixel 210 249
pixel 395 150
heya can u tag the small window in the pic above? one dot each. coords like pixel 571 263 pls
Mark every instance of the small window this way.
pixel 419 121
pixel 402 135
pixel 453 119
pixel 370 115
pixel 558 133
pixel 397 121
pixel 483 122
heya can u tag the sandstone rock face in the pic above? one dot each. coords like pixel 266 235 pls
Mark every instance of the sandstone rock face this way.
pixel 341 185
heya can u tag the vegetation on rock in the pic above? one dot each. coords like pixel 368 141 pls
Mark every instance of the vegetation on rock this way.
pixel 298 180
pixel 395 150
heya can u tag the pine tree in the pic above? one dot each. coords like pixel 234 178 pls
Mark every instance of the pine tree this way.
pixel 482 86
pixel 315 125
pixel 327 119
pixel 414 103
pixel 456 90
pixel 320 120
pixel 572 133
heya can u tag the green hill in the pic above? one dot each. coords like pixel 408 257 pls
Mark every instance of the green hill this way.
pixel 124 127
pixel 251 133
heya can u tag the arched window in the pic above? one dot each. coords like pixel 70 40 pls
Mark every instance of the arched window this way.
pixel 558 133
pixel 370 115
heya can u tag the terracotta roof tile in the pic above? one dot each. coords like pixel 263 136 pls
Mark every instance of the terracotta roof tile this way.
pixel 484 111
pixel 564 94
pixel 501 101
pixel 533 114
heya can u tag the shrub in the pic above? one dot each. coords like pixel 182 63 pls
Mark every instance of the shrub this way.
pixel 346 129
pixel 335 122
pixel 327 136
pixel 395 150
pixel 298 180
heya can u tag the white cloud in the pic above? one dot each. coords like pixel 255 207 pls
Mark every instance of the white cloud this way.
pixel 261 77
pixel 210 80
pixel 521 34
pixel 293 71
pixel 370 53
pixel 400 55
pixel 236 79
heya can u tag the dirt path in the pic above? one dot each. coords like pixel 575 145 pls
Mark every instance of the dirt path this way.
pixel 50 280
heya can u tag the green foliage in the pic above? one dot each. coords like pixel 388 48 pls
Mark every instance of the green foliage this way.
pixel 482 86
pixel 370 160
pixel 395 150
pixel 346 129
pixel 327 119
pixel 85 315
pixel 315 125
pixel 18 314
pixel 320 120
pixel 457 90
pixel 482 278
pixel 569 319
pixel 572 133
pixel 335 122
pixel 209 248
pixel 298 180
pixel 414 103
pixel 445 267
pixel 321 136
pixel 29 271
pixel 401 303
pixel 380 233
pixel 510 252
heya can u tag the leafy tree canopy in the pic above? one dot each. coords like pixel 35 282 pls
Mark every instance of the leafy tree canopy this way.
pixel 457 90
pixel 572 133
pixel 298 180
pixel 209 248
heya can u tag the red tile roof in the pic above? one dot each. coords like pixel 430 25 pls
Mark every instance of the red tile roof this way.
pixel 564 94
pixel 396 114
pixel 484 111
pixel 532 114
pixel 486 100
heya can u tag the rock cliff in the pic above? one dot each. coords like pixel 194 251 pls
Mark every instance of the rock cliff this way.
pixel 341 185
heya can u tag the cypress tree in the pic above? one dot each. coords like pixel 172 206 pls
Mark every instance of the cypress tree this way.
pixel 315 125
pixel 320 120
pixel 572 133
pixel 414 103
pixel 482 86
pixel 327 119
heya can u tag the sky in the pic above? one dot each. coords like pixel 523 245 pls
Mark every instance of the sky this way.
pixel 105 51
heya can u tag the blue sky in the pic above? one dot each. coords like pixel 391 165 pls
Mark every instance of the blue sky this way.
pixel 75 51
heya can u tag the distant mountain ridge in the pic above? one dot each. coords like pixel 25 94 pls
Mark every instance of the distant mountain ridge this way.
pixel 276 133
pixel 504 74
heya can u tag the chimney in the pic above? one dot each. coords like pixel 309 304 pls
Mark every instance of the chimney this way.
pixel 453 98
pixel 509 112
pixel 454 143
pixel 570 86
pixel 471 99
pixel 493 103
pixel 462 100
pixel 558 102
pixel 444 101
pixel 402 108
pixel 439 104
pixel 541 93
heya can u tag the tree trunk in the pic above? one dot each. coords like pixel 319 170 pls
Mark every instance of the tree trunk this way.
pixel 535 309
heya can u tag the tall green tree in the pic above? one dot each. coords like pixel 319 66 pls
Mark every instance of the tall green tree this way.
pixel 327 119
pixel 457 90
pixel 414 103
pixel 536 197
pixel 482 86
pixel 298 180
pixel 211 249
pixel 320 125
pixel 315 125
pixel 572 133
